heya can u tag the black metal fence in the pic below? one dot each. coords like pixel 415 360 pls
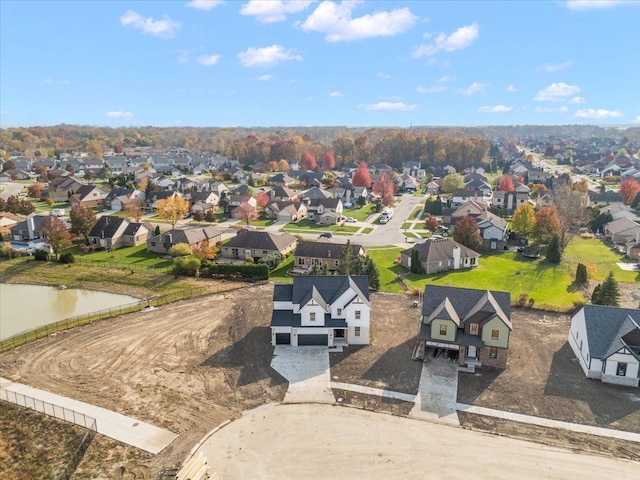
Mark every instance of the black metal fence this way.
pixel 136 267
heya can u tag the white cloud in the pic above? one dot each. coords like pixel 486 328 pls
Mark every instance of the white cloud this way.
pixel 557 92
pixel 4 112
pixel 437 89
pixel 336 22
pixel 495 109
pixel 577 100
pixel 549 68
pixel 266 56
pixel 208 60
pixel 562 109
pixel 165 28
pixel 598 113
pixel 637 120
pixel 474 88
pixel 512 88
pixel 336 94
pixel 461 38
pixel 395 106
pixel 119 114
pixel 446 78
pixel 272 11
pixel 53 81
pixel 265 78
pixel 383 75
pixel 593 4
pixel 204 4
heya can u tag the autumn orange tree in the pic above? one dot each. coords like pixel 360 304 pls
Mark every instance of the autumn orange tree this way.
pixel 35 189
pixel 135 209
pixel 506 183
pixel 247 212
pixel 56 233
pixel 308 161
pixel 328 160
pixel 466 233
pixel 546 224
pixel 82 221
pixel 172 209
pixel 431 223
pixel 385 187
pixel 361 176
pixel 629 189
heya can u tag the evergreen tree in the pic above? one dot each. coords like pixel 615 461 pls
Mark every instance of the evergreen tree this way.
pixel 553 250
pixel 416 265
pixel 608 293
pixel 157 230
pixel 581 274
pixel 374 275
pixel 595 296
pixel 346 263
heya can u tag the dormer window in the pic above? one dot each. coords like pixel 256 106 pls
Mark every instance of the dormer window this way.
pixel 339 312
pixel 312 316
pixel 473 329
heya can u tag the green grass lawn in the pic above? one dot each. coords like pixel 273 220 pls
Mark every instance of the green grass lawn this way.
pixel 279 275
pixel 415 215
pixel 406 226
pixel 547 285
pixel 126 255
pixel 359 214
pixel 265 222
pixel 599 259
pixel 42 206
pixel 367 230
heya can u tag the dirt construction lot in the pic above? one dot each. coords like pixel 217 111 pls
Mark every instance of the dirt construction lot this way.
pixel 190 366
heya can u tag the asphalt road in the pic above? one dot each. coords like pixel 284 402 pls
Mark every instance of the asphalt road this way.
pixel 9 189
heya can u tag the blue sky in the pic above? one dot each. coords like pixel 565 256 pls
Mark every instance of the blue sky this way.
pixel 303 63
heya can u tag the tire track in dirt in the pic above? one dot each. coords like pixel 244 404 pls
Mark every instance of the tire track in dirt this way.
pixel 186 366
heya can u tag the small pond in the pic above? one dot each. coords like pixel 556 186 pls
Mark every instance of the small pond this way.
pixel 25 307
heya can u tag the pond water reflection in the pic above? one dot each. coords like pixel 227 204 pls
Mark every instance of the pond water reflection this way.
pixel 25 307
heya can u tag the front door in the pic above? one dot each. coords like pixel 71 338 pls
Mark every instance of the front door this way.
pixel 472 352
pixel 338 334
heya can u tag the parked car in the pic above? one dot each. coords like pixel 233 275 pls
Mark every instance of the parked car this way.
pixel 325 235
pixel 350 220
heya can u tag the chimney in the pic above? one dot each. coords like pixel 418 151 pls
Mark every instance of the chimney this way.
pixel 31 227
pixel 456 257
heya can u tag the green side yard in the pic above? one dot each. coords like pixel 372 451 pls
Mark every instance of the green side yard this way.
pixel 549 286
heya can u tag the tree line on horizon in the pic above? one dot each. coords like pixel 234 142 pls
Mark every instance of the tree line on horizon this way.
pixel 457 146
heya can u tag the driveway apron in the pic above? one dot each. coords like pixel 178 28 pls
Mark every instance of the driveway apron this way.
pixel 308 372
pixel 437 393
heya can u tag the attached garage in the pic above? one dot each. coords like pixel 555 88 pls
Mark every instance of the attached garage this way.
pixel 283 339
pixel 313 340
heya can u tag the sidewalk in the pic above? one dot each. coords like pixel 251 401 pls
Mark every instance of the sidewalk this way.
pixel 545 422
pixel 124 429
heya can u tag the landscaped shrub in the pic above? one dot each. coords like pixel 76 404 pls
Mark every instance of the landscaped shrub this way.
pixel 249 272
pixel 41 255
pixel 180 250
pixel 67 257
pixel 272 260
pixel 522 300
pixel 7 252
pixel 186 266
pixel 248 260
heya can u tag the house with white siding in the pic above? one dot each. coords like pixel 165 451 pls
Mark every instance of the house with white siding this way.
pixel 327 310
pixel 606 342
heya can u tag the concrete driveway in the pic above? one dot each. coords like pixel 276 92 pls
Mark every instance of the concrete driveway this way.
pixel 438 392
pixel 308 372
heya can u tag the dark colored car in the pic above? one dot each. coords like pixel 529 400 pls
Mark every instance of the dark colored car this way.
pixel 325 235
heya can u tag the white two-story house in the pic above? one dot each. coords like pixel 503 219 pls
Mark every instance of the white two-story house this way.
pixel 326 310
